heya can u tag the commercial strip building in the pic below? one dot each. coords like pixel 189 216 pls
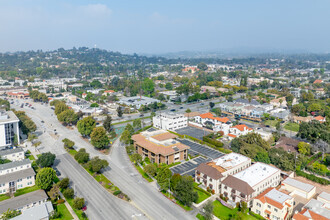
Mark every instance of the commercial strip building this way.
pixel 170 121
pixel 160 146
pixel 250 182
pixel 9 128
pixel 24 202
pixel 296 187
pixel 12 154
pixel 16 175
pixel 212 173
pixel 273 204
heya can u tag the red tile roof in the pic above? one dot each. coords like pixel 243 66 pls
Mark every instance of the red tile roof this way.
pixel 231 135
pixel 318 81
pixel 210 116
pixel 265 199
pixel 241 127
pixel 319 118
pixel 109 91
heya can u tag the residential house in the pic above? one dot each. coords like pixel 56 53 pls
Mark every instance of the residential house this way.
pixel 324 197
pixel 108 92
pixel 299 188
pixel 41 211
pixel 170 121
pixel 315 210
pixel 84 95
pixel 210 89
pixel 16 175
pixel 281 114
pixel 160 146
pixel 320 119
pixel 247 102
pixel 211 174
pixel 299 119
pixel 216 123
pixel 288 144
pixel 318 81
pixel 9 128
pixel 250 182
pixel 13 154
pixel 238 130
pixel 279 102
pixel 137 101
pixel 273 204
pixel 258 112
pixel 24 202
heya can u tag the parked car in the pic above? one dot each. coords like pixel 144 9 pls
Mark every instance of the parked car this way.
pixel 173 110
pixel 58 173
pixel 181 107
pixel 141 115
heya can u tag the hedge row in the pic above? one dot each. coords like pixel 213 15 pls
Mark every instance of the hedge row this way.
pixel 214 142
pixel 312 177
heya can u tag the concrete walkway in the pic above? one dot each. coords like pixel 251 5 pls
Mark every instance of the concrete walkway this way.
pixel 75 217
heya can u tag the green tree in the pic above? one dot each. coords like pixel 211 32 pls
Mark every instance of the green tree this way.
pixel 175 179
pixel 137 158
pixel 150 169
pixel 169 86
pixel 107 123
pixel 129 128
pixel 304 148
pixel 119 112
pixel 211 104
pixel 45 178
pixel 96 164
pixel 54 192
pixel 125 137
pixel 78 203
pixel 202 66
pixel 10 214
pixel 60 107
pixel 86 125
pixel 94 105
pixel 217 111
pixel 184 191
pixel 68 193
pixel 208 210
pixel 137 124
pixel 64 183
pixel 188 110
pixel 163 178
pixel 46 160
pixel 68 143
pixel 82 156
pixel 68 117
pixel 148 85
pixel 5 104
pixel 99 138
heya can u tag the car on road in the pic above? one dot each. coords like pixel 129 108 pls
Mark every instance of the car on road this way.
pixel 52 108
pixel 267 126
pixel 173 110
pixel 84 208
pixel 181 107
pixel 202 103
pixel 42 121
pixel 58 173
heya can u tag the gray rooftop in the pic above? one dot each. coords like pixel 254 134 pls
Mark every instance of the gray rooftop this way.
pixel 325 195
pixel 23 200
pixel 17 175
pixel 318 207
pixel 278 196
pixel 300 185
pixel 10 151
pixel 37 212
pixel 14 164
pixel 7 117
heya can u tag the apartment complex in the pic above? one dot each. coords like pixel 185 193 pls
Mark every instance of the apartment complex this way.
pixel 12 154
pixel 211 174
pixel 273 204
pixel 250 182
pixel 8 128
pixel 16 175
pixel 170 121
pixel 160 146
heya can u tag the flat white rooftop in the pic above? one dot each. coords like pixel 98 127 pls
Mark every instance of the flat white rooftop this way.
pixel 278 196
pixel 299 185
pixel 318 207
pixel 325 195
pixel 256 173
pixel 229 161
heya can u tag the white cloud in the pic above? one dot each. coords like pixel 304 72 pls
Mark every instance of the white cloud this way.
pixel 95 10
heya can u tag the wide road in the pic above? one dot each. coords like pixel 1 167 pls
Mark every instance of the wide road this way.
pixel 121 172
pixel 100 203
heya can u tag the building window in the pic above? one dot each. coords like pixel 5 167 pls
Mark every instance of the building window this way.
pixel 269 206
pixel 275 209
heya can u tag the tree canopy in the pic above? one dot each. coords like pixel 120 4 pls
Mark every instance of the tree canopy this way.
pixel 86 125
pixel 99 138
pixel 45 178
pixel 46 159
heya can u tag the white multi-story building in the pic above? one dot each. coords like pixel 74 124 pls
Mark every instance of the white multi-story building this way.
pixel 273 204
pixel 13 154
pixel 8 128
pixel 239 130
pixel 249 183
pixel 16 175
pixel 211 174
pixel 170 121
pixel 216 123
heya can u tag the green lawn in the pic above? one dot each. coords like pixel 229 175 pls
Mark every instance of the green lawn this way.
pixel 78 212
pixel 223 213
pixel 4 197
pixel 64 212
pixel 292 126
pixel 271 123
pixel 200 217
pixel 38 155
pixel 144 174
pixel 31 157
pixel 26 190
pixel 202 194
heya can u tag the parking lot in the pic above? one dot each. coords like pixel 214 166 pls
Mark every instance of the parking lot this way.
pixel 193 132
pixel 188 167
pixel 201 149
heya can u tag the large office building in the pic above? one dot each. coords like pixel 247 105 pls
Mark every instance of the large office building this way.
pixel 160 146
pixel 170 121
pixel 16 175
pixel 250 182
pixel 8 128
pixel 211 174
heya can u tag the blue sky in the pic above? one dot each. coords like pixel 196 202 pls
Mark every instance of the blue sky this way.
pixel 160 26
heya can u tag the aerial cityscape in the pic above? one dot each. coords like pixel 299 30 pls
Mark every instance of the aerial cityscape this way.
pixel 164 110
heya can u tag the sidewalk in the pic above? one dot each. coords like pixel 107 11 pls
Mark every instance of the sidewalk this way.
pixel 75 217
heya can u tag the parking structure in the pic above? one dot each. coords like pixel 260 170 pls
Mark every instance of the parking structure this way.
pixel 201 149
pixel 188 167
pixel 193 132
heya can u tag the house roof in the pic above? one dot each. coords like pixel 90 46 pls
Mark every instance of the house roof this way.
pixel 209 170
pixel 274 197
pixel 210 116
pixel 164 136
pixel 325 195
pixel 238 185
pixel 23 200
pixel 246 101
pixel 192 114
pixel 14 164
pixel 232 135
pixel 41 211
pixel 319 118
pixel 10 151
pixel 241 127
pixel 299 185
pixel 17 175
pixel 109 91
pixel 318 81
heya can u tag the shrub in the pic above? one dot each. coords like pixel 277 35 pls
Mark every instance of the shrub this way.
pixel 60 201
pixel 68 193
pixel 313 177
pixel 64 183
pixel 117 192
pixel 212 191
pixel 78 203
pixel 82 156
